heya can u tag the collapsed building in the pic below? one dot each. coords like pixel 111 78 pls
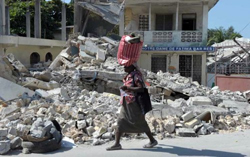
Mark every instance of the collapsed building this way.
pixel 77 96
pixel 80 92
pixel 231 59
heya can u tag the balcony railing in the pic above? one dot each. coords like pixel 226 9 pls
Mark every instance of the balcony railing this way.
pixel 172 38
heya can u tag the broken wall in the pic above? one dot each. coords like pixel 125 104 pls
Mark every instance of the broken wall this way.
pixel 98 26
pixel 23 52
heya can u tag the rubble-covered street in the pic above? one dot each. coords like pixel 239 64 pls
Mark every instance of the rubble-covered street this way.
pixel 81 93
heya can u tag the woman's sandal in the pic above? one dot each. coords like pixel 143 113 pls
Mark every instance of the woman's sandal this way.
pixel 118 147
pixel 150 145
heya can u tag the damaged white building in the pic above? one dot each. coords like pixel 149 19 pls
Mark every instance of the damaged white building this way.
pixel 174 32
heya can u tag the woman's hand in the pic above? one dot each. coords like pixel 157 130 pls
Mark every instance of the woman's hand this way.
pixel 124 88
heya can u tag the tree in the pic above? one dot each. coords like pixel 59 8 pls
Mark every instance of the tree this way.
pixel 50 16
pixel 220 34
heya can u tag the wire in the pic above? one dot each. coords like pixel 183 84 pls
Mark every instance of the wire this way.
pixel 244 27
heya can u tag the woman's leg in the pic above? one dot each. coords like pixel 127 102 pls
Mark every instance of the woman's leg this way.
pixel 117 138
pixel 117 145
pixel 150 136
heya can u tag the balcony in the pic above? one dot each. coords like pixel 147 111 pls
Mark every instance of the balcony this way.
pixel 171 38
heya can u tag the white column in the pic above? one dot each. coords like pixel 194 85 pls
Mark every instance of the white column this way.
pixel 2 17
pixel 121 24
pixel 204 69
pixel 63 22
pixel 150 17
pixel 177 16
pixel 76 16
pixel 28 23
pixel 37 19
pixel 205 22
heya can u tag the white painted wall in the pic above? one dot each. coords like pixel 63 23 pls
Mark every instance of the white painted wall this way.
pixel 23 47
pixel 23 52
pixel 172 60
pixel 140 10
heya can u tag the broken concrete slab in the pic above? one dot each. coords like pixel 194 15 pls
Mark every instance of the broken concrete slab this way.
pixel 17 64
pixel 84 56
pixel 236 107
pixel 200 100
pixel 187 116
pixel 33 83
pixel 4 147
pixel 10 90
pixel 101 55
pixel 192 123
pixel 3 132
pixel 15 143
pixel 186 132
pixel 9 110
pixel 203 108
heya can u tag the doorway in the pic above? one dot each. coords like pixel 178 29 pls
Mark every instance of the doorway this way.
pixel 34 58
pixel 48 57
pixel 188 22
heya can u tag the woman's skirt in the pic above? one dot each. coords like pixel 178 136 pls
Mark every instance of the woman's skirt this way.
pixel 131 119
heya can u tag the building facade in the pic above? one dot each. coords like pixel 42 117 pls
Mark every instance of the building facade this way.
pixel 174 34
pixel 29 50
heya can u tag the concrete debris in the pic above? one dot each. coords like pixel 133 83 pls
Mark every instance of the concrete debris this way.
pixel 10 90
pixel 186 132
pixel 4 146
pixel 81 93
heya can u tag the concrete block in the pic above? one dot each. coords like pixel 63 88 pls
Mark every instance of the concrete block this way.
pixel 111 41
pixel 64 94
pixel 47 126
pixel 81 124
pixel 169 127
pixel 33 83
pixel 90 130
pixel 100 56
pixel 15 143
pixel 85 56
pixel 200 100
pixel 186 132
pixel 192 123
pixel 10 90
pixel 187 116
pixel 6 111
pixel 38 133
pixel 3 132
pixel 12 131
pixel 4 147
pixel 90 48
pixel 107 135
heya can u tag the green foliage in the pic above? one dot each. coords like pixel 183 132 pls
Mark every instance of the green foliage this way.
pixel 220 34
pixel 50 16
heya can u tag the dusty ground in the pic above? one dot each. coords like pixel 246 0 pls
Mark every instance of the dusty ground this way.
pixel 222 145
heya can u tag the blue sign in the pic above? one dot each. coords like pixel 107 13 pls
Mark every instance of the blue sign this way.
pixel 159 48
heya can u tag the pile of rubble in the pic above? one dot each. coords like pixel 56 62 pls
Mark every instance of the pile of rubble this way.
pixel 75 91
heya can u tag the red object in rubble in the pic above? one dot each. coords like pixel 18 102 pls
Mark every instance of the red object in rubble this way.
pixel 128 53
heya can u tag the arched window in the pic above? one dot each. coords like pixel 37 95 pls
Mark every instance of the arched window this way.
pixel 48 57
pixel 34 58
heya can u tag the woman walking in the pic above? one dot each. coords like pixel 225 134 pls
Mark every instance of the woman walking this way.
pixel 131 118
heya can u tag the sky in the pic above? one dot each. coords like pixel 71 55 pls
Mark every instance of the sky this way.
pixel 228 13
pixel 234 13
